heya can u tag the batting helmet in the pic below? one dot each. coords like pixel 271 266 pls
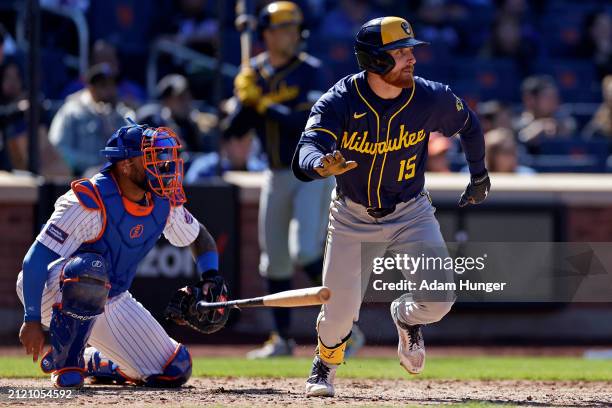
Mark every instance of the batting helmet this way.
pixel 279 14
pixel 378 36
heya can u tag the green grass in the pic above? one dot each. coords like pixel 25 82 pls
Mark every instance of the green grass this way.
pixel 458 368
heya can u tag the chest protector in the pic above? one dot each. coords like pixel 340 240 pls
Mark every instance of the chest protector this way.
pixel 129 231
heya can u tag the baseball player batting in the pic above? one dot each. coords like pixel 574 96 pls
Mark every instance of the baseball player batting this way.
pixel 276 90
pixel 370 131
pixel 77 274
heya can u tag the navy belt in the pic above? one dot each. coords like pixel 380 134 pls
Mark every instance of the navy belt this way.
pixel 377 212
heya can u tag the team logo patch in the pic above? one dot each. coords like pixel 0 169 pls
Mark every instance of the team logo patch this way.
pixel 136 231
pixel 96 264
pixel 56 233
pixel 458 104
pixel 407 29
pixel 188 217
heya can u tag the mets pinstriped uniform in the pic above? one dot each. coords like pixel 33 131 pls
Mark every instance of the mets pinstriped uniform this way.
pixel 383 199
pixel 125 332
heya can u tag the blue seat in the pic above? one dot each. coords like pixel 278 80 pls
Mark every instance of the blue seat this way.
pixel 55 75
pixel 588 155
pixel 492 79
pixel 577 80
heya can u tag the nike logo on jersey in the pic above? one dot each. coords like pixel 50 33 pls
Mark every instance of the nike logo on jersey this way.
pixel 359 115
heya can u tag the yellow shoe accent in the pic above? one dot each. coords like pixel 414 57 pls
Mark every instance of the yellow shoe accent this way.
pixel 333 355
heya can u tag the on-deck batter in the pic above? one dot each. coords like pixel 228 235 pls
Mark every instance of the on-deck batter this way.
pixel 371 130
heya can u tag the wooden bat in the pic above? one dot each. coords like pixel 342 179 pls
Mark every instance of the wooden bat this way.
pixel 244 24
pixel 290 298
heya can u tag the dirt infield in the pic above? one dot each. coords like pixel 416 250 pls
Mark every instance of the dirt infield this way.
pixel 257 392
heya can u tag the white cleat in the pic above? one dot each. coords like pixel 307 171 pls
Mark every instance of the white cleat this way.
pixel 321 380
pixel 411 346
pixel 275 346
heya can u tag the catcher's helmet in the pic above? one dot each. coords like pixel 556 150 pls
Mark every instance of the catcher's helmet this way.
pixel 279 14
pixel 378 36
pixel 159 148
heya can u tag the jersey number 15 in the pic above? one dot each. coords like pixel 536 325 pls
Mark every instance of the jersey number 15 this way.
pixel 407 167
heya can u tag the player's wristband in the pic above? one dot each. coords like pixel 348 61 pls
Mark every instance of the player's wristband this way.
pixel 208 264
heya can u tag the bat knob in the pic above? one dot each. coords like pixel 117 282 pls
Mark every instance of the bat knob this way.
pixel 245 22
pixel 324 294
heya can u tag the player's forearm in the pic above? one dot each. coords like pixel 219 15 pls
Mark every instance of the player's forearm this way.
pixel 34 277
pixel 310 157
pixel 204 252
pixel 472 141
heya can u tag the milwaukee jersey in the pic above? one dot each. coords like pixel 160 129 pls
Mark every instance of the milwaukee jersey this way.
pixel 386 137
pixel 294 87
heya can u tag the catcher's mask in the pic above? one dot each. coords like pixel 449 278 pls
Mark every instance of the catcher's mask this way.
pixel 159 148
pixel 164 168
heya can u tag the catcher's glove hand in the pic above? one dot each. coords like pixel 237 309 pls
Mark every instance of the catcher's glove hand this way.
pixel 476 192
pixel 182 307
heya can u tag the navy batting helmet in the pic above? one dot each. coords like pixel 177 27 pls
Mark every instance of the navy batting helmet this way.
pixel 378 36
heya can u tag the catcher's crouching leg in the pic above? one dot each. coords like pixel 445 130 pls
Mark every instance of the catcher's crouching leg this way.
pixel 84 286
pixel 176 371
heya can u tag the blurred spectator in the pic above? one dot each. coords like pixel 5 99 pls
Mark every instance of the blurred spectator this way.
pixel 176 111
pixel 509 40
pixel 597 41
pixel 601 124
pixel 14 131
pixel 194 28
pixel 81 127
pixel 12 117
pixel 542 117
pixel 347 18
pixel 235 154
pixel 494 114
pixel 129 92
pixel 501 153
pixel 437 153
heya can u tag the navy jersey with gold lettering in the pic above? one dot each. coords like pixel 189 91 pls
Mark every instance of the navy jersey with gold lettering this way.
pixel 295 87
pixel 386 137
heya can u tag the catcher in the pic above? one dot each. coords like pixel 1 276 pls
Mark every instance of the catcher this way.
pixel 77 273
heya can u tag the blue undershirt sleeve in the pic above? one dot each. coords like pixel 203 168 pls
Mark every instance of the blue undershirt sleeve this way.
pixel 35 272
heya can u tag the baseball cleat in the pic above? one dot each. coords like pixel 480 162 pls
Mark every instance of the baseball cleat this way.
pixel 321 380
pixel 101 370
pixel 411 346
pixel 275 346
pixel 68 378
pixel 355 342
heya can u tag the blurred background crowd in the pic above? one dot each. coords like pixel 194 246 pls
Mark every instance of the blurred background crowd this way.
pixel 538 73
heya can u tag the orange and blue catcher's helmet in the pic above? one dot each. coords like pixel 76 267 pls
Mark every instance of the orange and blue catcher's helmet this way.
pixel 160 152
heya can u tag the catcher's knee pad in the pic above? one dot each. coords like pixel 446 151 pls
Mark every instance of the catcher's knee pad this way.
pixel 84 285
pixel 176 371
pixel 334 354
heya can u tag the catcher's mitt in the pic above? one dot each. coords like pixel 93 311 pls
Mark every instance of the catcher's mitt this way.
pixel 182 307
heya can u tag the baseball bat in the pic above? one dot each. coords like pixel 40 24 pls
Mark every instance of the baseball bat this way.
pixel 290 298
pixel 244 24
